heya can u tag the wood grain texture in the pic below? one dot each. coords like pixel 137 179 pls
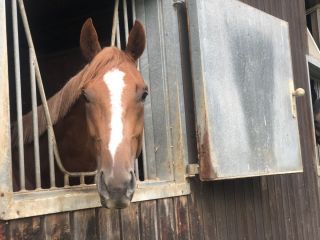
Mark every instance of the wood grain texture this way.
pixel 108 224
pixel 195 211
pixel 181 217
pixel 166 219
pixel 57 226
pixel 148 220
pixel 3 230
pixel 26 229
pixel 84 225
pixel 130 222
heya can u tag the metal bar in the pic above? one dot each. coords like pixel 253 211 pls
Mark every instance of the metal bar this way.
pixel 66 180
pixel 5 141
pixel 126 24
pixel 43 96
pixel 144 158
pixel 51 160
pixel 136 168
pixel 35 120
pixel 118 36
pixel 18 93
pixel 134 16
pixel 114 22
pixel 82 181
pixel 133 4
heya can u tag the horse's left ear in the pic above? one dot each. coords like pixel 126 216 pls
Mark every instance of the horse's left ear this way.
pixel 136 41
pixel 89 42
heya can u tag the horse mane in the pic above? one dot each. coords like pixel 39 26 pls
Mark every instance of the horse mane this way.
pixel 60 104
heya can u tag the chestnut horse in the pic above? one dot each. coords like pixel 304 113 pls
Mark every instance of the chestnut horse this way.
pixel 97 118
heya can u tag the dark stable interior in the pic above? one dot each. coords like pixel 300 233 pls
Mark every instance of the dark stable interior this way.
pixel 55 27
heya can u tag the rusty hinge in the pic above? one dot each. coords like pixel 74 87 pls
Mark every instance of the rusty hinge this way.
pixel 192 170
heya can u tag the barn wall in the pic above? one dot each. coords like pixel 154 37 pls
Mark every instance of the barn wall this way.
pixel 274 207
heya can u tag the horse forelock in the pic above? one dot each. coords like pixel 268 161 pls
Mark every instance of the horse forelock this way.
pixel 60 104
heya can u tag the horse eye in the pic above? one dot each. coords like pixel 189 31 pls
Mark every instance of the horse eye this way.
pixel 144 96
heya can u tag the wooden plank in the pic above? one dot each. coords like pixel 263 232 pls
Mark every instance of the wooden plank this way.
pixel 83 223
pixel 3 230
pixel 291 209
pixel 219 206
pixel 57 226
pixel 26 229
pixel 130 222
pixel 181 217
pixel 278 197
pixel 148 220
pixel 249 207
pixel 195 210
pixel 258 210
pixel 109 223
pixel 209 221
pixel 273 208
pixel 166 219
pixel 230 210
pixel 242 222
pixel 266 208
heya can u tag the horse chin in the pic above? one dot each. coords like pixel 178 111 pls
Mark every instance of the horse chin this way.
pixel 109 203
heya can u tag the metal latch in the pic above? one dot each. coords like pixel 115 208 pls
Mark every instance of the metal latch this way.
pixel 299 92
pixel 192 170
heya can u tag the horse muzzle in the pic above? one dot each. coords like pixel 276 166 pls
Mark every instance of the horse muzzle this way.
pixel 115 196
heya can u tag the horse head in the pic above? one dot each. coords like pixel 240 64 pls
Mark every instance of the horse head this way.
pixel 114 96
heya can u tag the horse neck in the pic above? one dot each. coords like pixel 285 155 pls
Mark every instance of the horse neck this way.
pixel 74 142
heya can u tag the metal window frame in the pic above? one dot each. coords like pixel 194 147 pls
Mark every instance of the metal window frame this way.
pixel 47 201
pixel 313 69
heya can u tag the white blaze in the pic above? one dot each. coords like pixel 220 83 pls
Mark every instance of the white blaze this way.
pixel 115 83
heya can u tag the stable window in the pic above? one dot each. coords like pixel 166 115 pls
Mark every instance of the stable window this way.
pixel 55 28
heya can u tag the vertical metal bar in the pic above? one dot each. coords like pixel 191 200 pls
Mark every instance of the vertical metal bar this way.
pixel 51 159
pixel 144 158
pixel 35 119
pixel 66 180
pixel 134 16
pixel 133 4
pixel 126 24
pixel 82 181
pixel 136 168
pixel 18 93
pixel 118 36
pixel 5 141
pixel 115 22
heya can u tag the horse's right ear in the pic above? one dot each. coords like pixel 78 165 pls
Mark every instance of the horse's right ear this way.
pixel 89 42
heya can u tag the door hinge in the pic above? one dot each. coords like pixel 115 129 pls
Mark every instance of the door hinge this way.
pixel 192 170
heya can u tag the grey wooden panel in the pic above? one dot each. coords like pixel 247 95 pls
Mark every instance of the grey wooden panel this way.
pixel 241 64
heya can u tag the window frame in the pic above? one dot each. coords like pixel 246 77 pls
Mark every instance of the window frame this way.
pixel 47 201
